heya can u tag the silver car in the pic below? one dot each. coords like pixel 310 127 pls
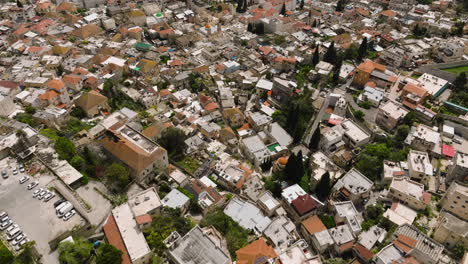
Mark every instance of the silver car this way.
pixel 49 196
pixel 42 194
pixel 36 192
pixel 18 239
pixel 69 215
pixel 6 224
pixel 32 185
pixel 23 179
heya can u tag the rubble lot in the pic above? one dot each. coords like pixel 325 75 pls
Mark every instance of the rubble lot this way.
pixel 36 218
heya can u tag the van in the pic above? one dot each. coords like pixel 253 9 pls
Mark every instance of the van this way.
pixel 13 233
pixel 65 210
pixel 3 214
pixel 60 206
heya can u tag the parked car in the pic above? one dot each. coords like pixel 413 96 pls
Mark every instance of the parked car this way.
pixel 20 244
pixel 32 185
pixel 4 174
pixel 36 192
pixel 18 239
pixel 23 179
pixel 13 234
pixel 3 214
pixel 67 208
pixel 49 196
pixel 57 203
pixel 69 215
pixel 11 228
pixel 62 205
pixel 42 194
pixel 6 224
pixel 5 218
pixel 15 171
pixel 21 168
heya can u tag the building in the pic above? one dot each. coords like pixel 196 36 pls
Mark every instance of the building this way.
pixel 392 170
pixel 353 185
pixel 123 232
pixel 419 166
pixel 450 51
pixel 321 164
pixel 176 200
pixel 298 253
pixel 455 200
pixel 373 95
pixel 366 242
pixel 347 132
pixel 281 232
pixel 390 114
pixel 400 214
pixel 310 226
pixel 255 150
pixel 92 103
pixel 7 106
pixel 247 215
pixel 410 193
pixel 434 85
pixel 256 252
pixel 424 138
pixel 418 245
pixel 343 238
pixel 371 71
pixel 137 152
pixel 458 170
pixel 268 203
pixel 299 204
pixel 145 202
pixel 346 214
pixel 198 246
pixel 451 230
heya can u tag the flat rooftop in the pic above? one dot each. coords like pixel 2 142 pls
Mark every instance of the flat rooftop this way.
pixel 132 236
pixel 144 202
pixel 409 187
pixel 354 131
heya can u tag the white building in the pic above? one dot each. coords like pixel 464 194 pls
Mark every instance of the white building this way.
pixel 419 166
pixel 7 106
pixel 354 185
pixel 410 193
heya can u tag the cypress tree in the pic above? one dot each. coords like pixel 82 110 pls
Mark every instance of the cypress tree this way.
pixel 249 27
pixel 283 10
pixel 315 23
pixel 239 6
pixel 323 188
pixel 460 82
pixel 340 5
pixel 336 70
pixel 19 4
pixel 316 58
pixel 300 167
pixel 290 170
pixel 301 6
pixel 315 140
pixel 330 55
pixel 362 52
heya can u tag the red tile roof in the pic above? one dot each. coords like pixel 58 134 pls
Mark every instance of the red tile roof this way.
pixel 304 204
pixel 143 219
pixel 448 150
pixel 313 225
pixel 113 236
pixel 365 253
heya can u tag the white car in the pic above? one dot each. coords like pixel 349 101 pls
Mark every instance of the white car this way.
pixel 23 179
pixel 69 215
pixel 36 192
pixel 32 185
pixel 11 228
pixel 6 224
pixel 49 196
pixel 21 168
pixel 20 244
pixel 15 171
pixel 42 194
pixel 18 239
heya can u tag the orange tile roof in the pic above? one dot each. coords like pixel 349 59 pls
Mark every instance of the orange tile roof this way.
pixel 143 219
pixel 388 13
pixel 254 252
pixel 211 106
pixel 313 224
pixel 71 79
pixel 55 84
pixel 369 66
pixel 48 95
pixel 415 89
pixel 364 252
pixel 111 230
pixel 90 100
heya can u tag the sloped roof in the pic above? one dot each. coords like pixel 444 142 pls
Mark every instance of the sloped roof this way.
pixel 254 252
pixel 112 233
pixel 90 100
pixel 304 204
pixel 313 224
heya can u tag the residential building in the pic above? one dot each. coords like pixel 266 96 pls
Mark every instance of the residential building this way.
pixel 354 186
pixel 145 202
pixel 256 252
pixel 346 214
pixel 298 203
pixel 343 238
pixel 281 232
pixel 390 114
pixel 299 253
pixel 366 242
pixel 458 169
pixel 92 103
pixel 176 200
pixel 198 246
pixel 371 94
pixel 418 245
pixel 137 152
pixel 7 106
pixel 455 200
pixel 451 230
pixel 347 132
pixel 400 214
pixel 419 166
pixel 247 215
pixel 392 170
pixel 122 232
pixel 310 226
pixel 449 51
pixel 268 203
pixel 424 138
pixel 321 164
pixel 413 95
pixel 371 71
pixel 434 85
pixel 410 193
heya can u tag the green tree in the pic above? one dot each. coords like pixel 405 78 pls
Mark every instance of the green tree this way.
pixel 340 5
pixel 78 112
pixel 30 110
pixel 335 261
pixel 19 4
pixel 5 255
pixel 401 134
pixel 301 5
pixel 359 115
pixel 283 10
pixel 316 57
pixel 323 188
pixel 459 251
pixel 108 254
pixel 172 139
pixel 336 70
pixel 315 140
pixel 330 55
pixel 65 148
pixel 118 174
pixel 76 252
pixel 460 82
pixel 362 52
pixel 78 163
pixel 239 6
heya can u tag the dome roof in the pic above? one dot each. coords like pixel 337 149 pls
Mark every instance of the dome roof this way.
pixel 283 160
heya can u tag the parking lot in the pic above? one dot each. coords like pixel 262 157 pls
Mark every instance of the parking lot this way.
pixel 36 218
